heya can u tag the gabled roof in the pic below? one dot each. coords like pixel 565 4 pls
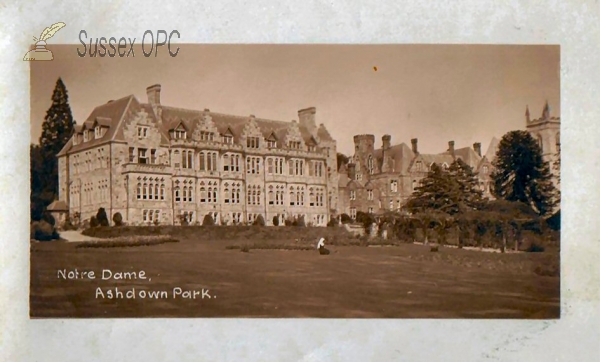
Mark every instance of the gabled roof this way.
pixel 439 159
pixel 469 156
pixel 400 157
pixel 113 111
pixel 58 205
pixel 490 154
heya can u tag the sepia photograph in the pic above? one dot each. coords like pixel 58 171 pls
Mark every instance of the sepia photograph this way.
pixel 296 181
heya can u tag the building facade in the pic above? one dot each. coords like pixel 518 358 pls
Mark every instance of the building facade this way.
pixel 383 179
pixel 154 163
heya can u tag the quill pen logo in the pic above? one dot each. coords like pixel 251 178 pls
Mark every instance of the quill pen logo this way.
pixel 40 52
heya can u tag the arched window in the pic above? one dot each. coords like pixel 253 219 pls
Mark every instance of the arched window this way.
pixel 370 165
pixel 540 143
pixel 177 193
pixel 139 191
pixel 145 191
pixel 226 163
pixel 162 191
pixel 214 161
pixel 202 162
pixel 202 194
pixel 176 159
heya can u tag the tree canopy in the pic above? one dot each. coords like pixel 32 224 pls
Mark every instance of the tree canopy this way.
pixel 453 191
pixel 57 129
pixel 520 174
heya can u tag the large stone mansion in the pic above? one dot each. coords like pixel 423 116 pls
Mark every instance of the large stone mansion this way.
pixel 382 179
pixel 158 164
pixel 154 163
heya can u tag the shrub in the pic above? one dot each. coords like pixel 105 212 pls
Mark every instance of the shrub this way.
pixel 43 231
pixel 68 225
pixel 244 248
pixel 275 221
pixel 299 221
pixel 259 221
pixel 47 217
pixel 366 219
pixel 94 222
pixel 101 217
pixel 346 219
pixel 333 222
pixel 118 219
pixel 289 222
pixel 208 220
pixel 535 248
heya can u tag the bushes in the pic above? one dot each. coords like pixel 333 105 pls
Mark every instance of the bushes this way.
pixel 118 219
pixel 101 217
pixel 94 222
pixel 208 220
pixel 43 231
pixel 346 219
pixel 333 222
pixel 259 221
pixel 275 220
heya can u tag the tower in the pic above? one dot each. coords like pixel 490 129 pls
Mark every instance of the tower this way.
pixel 546 130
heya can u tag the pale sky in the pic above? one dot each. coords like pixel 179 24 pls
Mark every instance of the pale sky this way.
pixel 436 93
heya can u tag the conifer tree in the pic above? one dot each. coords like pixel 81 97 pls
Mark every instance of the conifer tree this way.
pixel 521 174
pixel 56 131
pixel 469 196
pixel 436 192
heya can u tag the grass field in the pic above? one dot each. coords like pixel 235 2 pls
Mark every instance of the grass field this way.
pixel 403 281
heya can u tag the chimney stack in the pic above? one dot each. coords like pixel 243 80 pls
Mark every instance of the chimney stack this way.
pixel 386 141
pixel 352 171
pixel 414 143
pixel 153 93
pixel 477 148
pixel 307 119
pixel 451 147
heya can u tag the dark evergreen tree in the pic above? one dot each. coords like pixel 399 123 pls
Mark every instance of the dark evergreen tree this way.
pixel 521 174
pixel 438 191
pixel 468 194
pixel 56 131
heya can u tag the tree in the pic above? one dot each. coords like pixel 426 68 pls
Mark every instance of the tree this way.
pixel 437 192
pixel 520 173
pixel 57 129
pixel 468 194
pixel 341 160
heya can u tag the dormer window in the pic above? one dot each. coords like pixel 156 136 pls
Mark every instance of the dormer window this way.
pixel 85 136
pixel 75 139
pixel 312 148
pixel 419 166
pixel 142 132
pixel 271 143
pixel 179 134
pixel 484 170
pixel 98 132
pixel 228 139
pixel 252 142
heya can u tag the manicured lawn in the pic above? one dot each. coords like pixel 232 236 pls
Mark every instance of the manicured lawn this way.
pixel 405 281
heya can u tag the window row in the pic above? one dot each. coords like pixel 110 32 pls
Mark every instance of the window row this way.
pixel 150 191
pixel 143 155
pixel 253 195
pixel 151 216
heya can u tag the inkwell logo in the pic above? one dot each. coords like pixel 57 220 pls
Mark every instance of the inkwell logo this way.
pixel 40 52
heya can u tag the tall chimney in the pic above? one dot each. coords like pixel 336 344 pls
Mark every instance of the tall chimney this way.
pixel 308 120
pixel 451 147
pixel 352 171
pixel 414 143
pixel 153 93
pixel 477 148
pixel 386 141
